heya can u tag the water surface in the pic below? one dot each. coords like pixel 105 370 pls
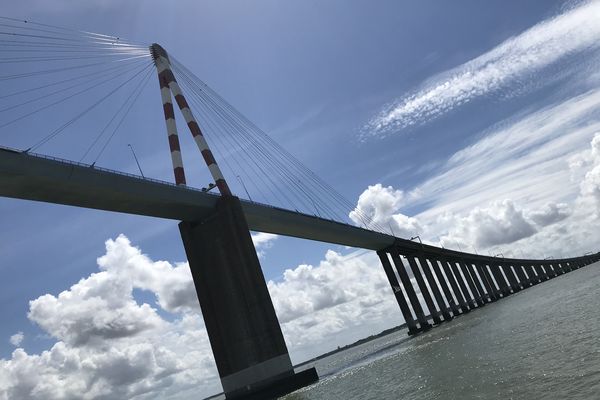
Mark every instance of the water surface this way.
pixel 541 343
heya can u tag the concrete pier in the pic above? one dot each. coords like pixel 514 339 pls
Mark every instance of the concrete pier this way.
pixel 446 265
pixel 541 272
pixel 533 278
pixel 245 336
pixel 453 283
pixel 410 292
pixel 453 306
pixel 512 278
pixel 404 308
pixel 423 289
pixel 500 279
pixel 523 280
pixel 487 282
pixel 461 279
pixel 435 290
pixel 473 282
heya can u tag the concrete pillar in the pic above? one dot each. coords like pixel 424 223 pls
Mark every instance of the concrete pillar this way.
pixel 473 282
pixel 445 289
pixel 558 268
pixel 410 291
pixel 523 281
pixel 512 278
pixel 244 333
pixel 389 272
pixel 464 307
pixel 496 288
pixel 500 279
pixel 569 265
pixel 487 281
pixel 479 280
pixel 549 270
pixel 541 273
pixel 461 284
pixel 424 291
pixel 434 288
pixel 533 278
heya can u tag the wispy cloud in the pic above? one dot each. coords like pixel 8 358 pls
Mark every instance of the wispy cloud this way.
pixel 513 60
pixel 526 159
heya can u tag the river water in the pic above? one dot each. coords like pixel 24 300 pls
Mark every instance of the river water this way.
pixel 541 343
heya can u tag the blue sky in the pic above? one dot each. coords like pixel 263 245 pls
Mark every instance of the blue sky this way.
pixel 469 123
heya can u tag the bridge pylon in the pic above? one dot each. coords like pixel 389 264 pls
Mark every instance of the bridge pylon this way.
pixel 244 333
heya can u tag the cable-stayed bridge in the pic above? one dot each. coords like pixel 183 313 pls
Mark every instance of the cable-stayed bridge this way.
pixel 64 77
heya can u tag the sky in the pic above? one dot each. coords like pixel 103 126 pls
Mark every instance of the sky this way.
pixel 475 125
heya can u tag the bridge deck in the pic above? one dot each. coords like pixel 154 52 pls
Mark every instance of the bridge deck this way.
pixel 53 180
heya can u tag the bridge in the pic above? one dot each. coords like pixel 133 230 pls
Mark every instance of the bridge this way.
pixel 249 349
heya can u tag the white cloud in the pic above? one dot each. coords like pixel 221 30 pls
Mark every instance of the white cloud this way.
pixel 501 223
pixel 109 346
pixel 17 339
pixel 263 241
pixel 550 214
pixel 378 208
pixel 338 301
pixel 526 160
pixel 514 60
pixel 551 181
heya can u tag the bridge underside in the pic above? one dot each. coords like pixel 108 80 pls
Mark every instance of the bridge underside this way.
pixel 451 285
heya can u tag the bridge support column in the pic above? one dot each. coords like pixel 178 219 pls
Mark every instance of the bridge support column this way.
pixel 523 280
pixel 389 272
pixel 541 273
pixel 435 290
pixel 474 283
pixel 558 268
pixel 423 289
pixel 572 265
pixel 550 271
pixel 461 283
pixel 455 288
pixel 512 278
pixel 445 289
pixel 244 333
pixel 533 277
pixel 487 282
pixel 500 279
pixel 410 291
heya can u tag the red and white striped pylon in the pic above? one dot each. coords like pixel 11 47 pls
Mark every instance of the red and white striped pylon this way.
pixel 168 85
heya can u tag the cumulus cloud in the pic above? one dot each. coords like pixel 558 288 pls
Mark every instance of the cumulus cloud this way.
pixel 263 241
pixel 172 284
pixel 544 44
pixel 109 345
pixel 17 339
pixel 338 301
pixel 306 289
pixel 550 214
pixel 500 223
pixel 378 209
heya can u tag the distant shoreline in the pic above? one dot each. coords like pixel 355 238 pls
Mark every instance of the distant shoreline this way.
pixel 357 343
